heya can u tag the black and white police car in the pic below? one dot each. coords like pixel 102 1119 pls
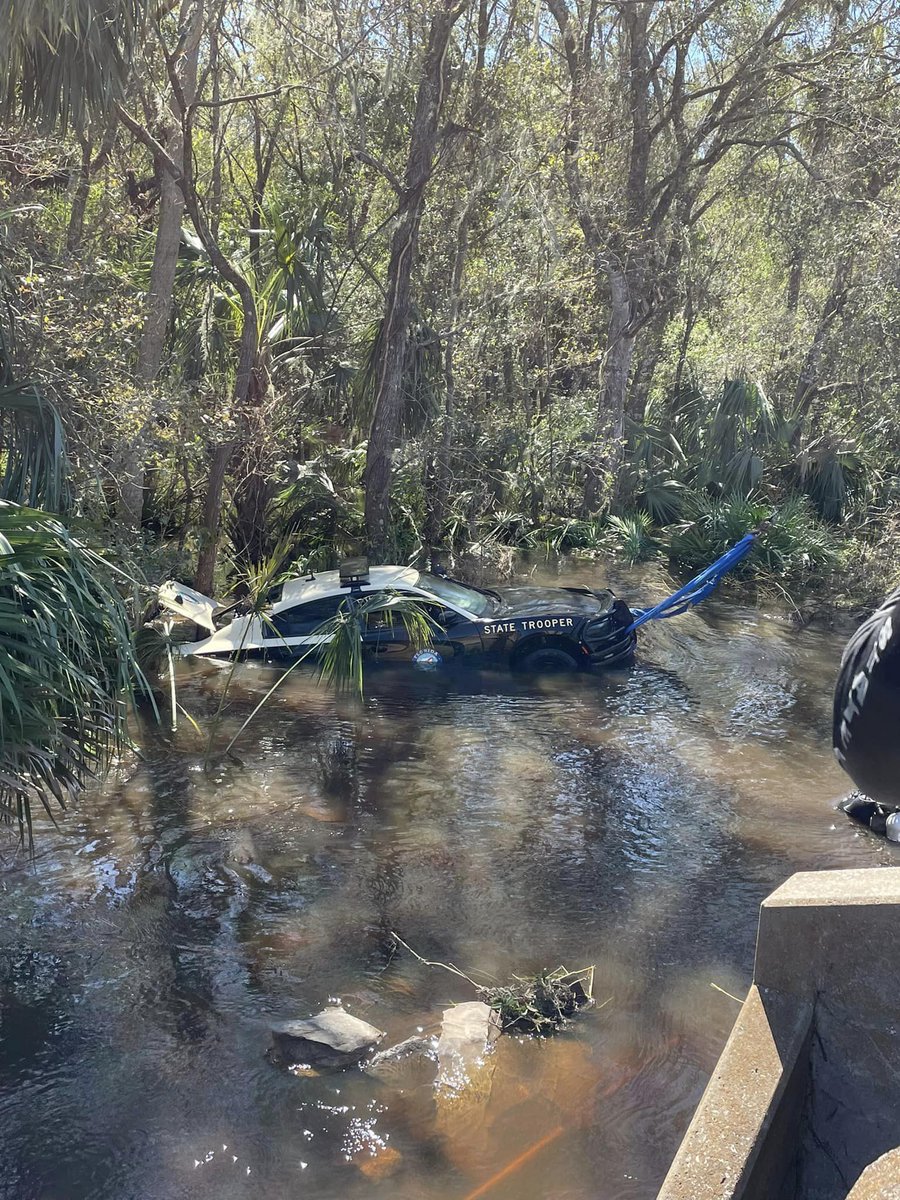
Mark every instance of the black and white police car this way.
pixel 528 628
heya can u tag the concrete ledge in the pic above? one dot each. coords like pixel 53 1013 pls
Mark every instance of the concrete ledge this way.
pixel 880 1181
pixel 832 933
pixel 734 1146
pixel 806 1095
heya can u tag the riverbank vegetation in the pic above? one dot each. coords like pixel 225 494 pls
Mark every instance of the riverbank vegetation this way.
pixel 616 278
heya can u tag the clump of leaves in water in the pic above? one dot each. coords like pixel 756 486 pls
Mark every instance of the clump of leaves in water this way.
pixel 539 1004
pixel 530 1004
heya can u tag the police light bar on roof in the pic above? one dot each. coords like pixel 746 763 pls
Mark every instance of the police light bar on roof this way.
pixel 353 571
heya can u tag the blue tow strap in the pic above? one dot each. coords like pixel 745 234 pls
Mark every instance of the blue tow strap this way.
pixel 698 588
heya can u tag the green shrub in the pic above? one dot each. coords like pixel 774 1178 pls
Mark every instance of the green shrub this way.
pixel 797 543
pixel 633 534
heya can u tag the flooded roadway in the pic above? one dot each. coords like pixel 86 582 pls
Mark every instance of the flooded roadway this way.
pixel 507 825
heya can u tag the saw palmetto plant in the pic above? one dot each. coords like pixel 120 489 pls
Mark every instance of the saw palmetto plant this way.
pixel 34 472
pixel 66 663
pixel 66 667
pixel 65 62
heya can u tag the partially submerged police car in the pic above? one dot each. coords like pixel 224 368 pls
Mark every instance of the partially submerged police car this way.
pixel 535 629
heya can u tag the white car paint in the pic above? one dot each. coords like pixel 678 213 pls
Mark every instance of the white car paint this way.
pixel 185 602
pixel 245 633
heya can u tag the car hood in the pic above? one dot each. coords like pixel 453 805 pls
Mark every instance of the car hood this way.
pixel 536 601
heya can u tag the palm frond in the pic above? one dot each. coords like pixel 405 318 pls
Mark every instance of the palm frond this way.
pixel 66 61
pixel 66 665
pixel 342 660
pixel 635 536
pixel 35 472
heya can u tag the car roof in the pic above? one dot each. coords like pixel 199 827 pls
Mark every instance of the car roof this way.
pixel 326 583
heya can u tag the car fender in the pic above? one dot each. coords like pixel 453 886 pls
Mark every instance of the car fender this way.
pixel 541 641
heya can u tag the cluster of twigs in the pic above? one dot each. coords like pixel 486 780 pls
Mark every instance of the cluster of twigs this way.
pixel 539 1004
pixel 530 1004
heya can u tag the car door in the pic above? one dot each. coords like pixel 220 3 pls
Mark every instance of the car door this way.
pixel 385 636
pixel 454 635
pixel 294 629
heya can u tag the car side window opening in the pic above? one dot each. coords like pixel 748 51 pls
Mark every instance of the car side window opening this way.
pixel 457 594
pixel 302 619
pixel 391 619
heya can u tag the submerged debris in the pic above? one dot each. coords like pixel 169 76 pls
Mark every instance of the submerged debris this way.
pixel 412 1047
pixel 539 1004
pixel 530 1004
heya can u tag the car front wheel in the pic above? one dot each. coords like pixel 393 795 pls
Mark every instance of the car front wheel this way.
pixel 548 660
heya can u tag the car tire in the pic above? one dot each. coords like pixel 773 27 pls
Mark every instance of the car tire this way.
pixel 548 660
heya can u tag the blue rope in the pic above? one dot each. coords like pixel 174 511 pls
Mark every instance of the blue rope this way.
pixel 698 588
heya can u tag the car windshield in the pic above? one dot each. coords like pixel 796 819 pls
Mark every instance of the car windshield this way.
pixel 457 594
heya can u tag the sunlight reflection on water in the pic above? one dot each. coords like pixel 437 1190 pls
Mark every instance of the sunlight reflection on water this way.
pixel 632 821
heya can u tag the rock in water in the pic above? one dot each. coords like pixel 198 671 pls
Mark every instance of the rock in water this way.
pixel 409 1047
pixel 467 1033
pixel 469 1028
pixel 408 1066
pixel 332 1038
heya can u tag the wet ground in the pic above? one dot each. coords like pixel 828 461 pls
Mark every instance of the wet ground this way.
pixel 632 821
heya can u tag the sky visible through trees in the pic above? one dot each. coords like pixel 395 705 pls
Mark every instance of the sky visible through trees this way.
pixel 404 277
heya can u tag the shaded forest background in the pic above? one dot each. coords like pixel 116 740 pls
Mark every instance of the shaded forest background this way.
pixel 409 277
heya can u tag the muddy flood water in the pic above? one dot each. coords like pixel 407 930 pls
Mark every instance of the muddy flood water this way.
pixel 632 821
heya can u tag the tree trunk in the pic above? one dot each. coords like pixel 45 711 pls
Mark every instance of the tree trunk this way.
pixel 157 311
pixel 182 172
pixel 212 509
pixel 441 476
pixel 609 431
pixel 808 379
pixel 80 196
pixel 158 303
pixel 246 383
pixel 392 355
pixel 621 257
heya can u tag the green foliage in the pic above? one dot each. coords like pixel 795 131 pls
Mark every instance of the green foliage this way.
pixel 796 544
pixel 66 665
pixel 422 379
pixel 35 472
pixel 833 476
pixel 541 1004
pixel 633 532
pixel 342 659
pixel 67 61
pixel 507 338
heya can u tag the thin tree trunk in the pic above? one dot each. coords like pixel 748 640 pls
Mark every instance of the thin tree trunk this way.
pixel 182 171
pixel 620 258
pixel 441 484
pixel 81 195
pixel 394 338
pixel 158 303
pixel 808 379
pixel 211 520
pixel 157 311
pixel 75 232
pixel 609 431
pixel 690 320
